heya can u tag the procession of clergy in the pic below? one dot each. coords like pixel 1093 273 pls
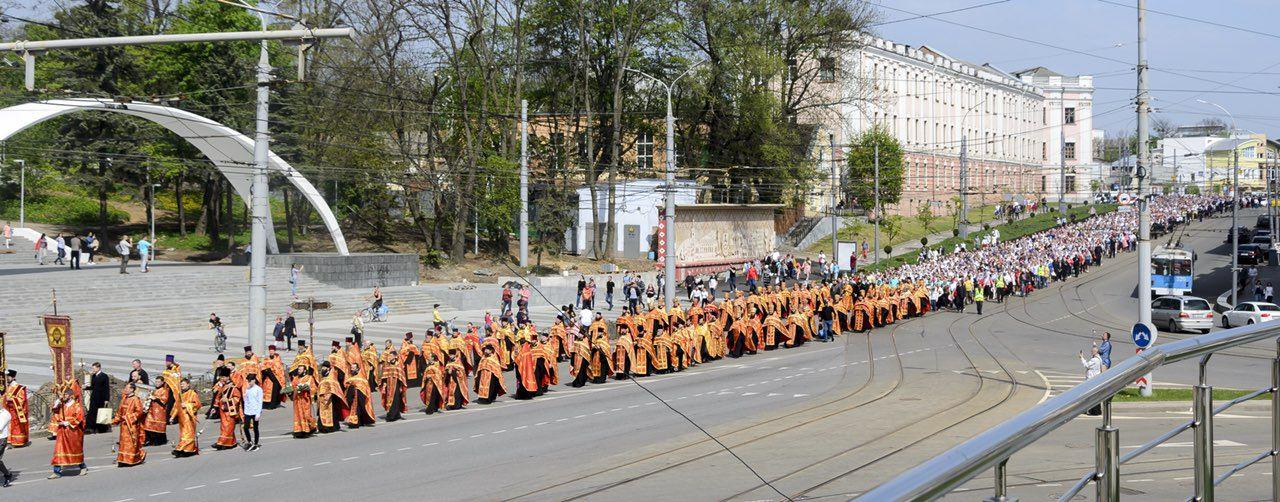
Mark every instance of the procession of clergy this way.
pixel 447 369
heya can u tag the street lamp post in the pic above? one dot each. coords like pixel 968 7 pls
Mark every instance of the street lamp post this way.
pixel 22 192
pixel 669 265
pixel 1235 208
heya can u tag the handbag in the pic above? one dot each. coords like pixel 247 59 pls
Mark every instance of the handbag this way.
pixel 104 416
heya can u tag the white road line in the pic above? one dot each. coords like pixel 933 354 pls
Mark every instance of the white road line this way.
pixel 541 423
pixel 521 427
pixel 601 412
pixel 1138 480
pixel 578 416
pixel 473 436
pixel 1049 484
pixel 349 458
pixel 407 448
pixel 376 453
pixel 196 487
pixel 232 480
pixel 455 439
pixel 159 494
pixel 561 419
pixel 498 431
pixel 124 500
pixel 261 474
pixel 616 409
pixel 430 444
pixel 291 469
pixel 318 464
pixel 1184 478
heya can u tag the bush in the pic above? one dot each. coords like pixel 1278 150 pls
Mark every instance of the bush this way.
pixel 924 241
pixel 955 232
pixel 66 210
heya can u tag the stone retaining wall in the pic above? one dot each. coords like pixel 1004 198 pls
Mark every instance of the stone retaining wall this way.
pixel 357 270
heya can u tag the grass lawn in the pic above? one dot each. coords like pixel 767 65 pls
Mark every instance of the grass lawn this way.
pixel 1180 394
pixel 910 229
pixel 61 209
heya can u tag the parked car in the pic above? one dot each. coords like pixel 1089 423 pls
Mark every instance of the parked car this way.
pixel 1179 313
pixel 1245 235
pixel 1263 242
pixel 1263 222
pixel 1247 313
pixel 1251 254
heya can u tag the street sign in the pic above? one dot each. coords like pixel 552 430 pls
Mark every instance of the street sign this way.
pixel 1144 335
pixel 311 306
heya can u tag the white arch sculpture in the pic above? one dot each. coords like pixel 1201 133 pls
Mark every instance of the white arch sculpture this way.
pixel 230 151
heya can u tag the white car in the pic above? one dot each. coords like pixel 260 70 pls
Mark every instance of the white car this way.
pixel 1250 313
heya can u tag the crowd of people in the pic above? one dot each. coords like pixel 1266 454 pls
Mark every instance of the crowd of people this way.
pixel 450 369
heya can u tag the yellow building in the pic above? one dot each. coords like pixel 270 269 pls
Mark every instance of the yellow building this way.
pixel 1256 153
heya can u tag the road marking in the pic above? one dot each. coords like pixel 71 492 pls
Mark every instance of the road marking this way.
pixel 620 409
pixel 261 474
pixel 523 427
pixel 1042 485
pixel 124 500
pixel 1184 478
pixel 561 419
pixel 498 431
pixel 317 464
pixel 159 494
pixel 799 395
pixel 771 394
pixel 232 480
pixel 455 439
pixel 540 423
pixel 1139 480
pixel 196 487
pixel 349 458
pixel 603 412
pixel 291 469
pixel 430 444
pixel 376 453
pixel 579 416
pixel 749 393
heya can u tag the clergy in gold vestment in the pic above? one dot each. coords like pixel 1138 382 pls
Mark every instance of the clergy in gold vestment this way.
pixel 188 407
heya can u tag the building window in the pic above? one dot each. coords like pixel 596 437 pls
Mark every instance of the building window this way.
pixel 583 153
pixel 644 151
pixel 1044 151
pixel 1069 115
pixel 1249 152
pixel 827 70
pixel 1071 184
pixel 1069 150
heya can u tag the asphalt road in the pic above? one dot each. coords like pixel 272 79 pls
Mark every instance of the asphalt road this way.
pixel 819 421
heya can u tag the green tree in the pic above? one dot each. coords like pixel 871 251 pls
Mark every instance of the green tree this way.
pixel 924 216
pixel 861 179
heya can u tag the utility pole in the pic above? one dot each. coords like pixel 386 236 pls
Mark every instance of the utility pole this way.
pixel 524 183
pixel 261 208
pixel 964 186
pixel 1235 225
pixel 875 242
pixel 669 265
pixel 151 213
pixel 1144 219
pixel 835 243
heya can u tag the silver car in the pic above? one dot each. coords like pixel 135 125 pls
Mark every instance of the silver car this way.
pixel 1182 313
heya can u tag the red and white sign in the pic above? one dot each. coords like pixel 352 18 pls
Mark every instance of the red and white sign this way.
pixel 662 238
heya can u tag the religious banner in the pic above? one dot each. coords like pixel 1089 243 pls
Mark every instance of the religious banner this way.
pixel 57 328
pixel 4 365
pixel 662 238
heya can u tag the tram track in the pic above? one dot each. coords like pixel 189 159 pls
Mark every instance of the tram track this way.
pixel 847 395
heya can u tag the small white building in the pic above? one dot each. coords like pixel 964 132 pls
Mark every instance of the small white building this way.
pixel 635 215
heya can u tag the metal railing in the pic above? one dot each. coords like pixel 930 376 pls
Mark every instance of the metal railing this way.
pixel 992 448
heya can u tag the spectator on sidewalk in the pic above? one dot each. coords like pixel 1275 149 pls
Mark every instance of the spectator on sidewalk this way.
pixel 91 246
pixel 1092 368
pixel 75 245
pixel 608 292
pixel 290 329
pixel 5 418
pixel 506 298
pixel 61 249
pixel 1270 293
pixel 294 271
pixel 1104 350
pixel 8 244
pixel 42 247
pixel 123 248
pixel 525 291
pixel 144 253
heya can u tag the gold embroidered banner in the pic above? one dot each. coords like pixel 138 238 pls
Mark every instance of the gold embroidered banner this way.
pixel 57 328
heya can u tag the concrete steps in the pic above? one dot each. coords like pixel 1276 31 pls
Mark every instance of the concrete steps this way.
pixel 174 297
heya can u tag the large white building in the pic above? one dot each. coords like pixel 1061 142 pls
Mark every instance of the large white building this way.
pixel 1009 125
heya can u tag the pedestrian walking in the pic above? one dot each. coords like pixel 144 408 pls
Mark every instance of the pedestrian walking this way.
pixel 123 248
pixel 252 410
pixel 290 329
pixel 99 389
pixel 1270 293
pixel 61 245
pixel 42 247
pixel 1092 368
pixel 978 298
pixel 294 271
pixel 608 292
pixel 1104 350
pixel 506 298
pixel 8 238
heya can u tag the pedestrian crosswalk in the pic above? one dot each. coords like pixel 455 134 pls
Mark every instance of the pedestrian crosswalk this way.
pixel 1060 381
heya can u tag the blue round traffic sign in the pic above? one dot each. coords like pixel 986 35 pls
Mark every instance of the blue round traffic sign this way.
pixel 1144 335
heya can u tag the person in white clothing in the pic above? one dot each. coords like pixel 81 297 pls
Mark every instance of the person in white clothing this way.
pixel 5 417
pixel 1092 365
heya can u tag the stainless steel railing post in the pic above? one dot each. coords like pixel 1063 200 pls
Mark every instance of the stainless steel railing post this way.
pixel 1275 424
pixel 1107 461
pixel 1001 483
pixel 1203 409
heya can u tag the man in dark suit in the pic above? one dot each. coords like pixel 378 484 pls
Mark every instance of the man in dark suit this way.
pixel 99 397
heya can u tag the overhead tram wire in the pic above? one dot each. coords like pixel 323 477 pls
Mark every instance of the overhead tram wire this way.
pixel 664 401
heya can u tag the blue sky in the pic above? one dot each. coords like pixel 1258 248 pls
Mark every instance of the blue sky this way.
pixel 1183 55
